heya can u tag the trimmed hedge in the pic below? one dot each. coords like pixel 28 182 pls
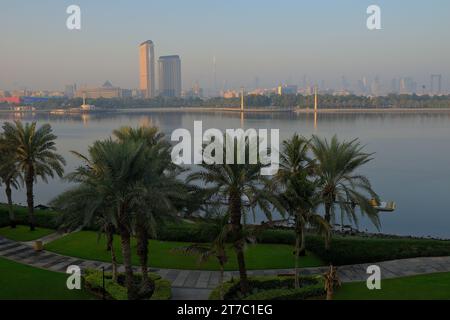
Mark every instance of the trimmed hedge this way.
pixel 272 288
pixel 343 249
pixel 43 218
pixel 354 250
pixel 114 291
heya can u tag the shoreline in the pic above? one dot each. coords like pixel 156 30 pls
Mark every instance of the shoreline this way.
pixel 248 110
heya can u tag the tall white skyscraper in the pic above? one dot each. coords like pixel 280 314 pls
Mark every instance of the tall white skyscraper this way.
pixel 169 72
pixel 147 69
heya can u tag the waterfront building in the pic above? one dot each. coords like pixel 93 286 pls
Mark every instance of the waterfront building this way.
pixel 106 91
pixel 147 69
pixel 169 71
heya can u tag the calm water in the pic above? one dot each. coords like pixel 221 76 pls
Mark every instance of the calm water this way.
pixel 411 164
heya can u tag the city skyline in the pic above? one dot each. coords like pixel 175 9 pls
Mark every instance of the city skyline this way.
pixel 225 48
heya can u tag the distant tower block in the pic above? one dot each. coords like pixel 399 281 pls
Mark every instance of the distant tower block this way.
pixel 147 69
pixel 242 99
pixel 315 99
pixel 169 76
pixel 436 84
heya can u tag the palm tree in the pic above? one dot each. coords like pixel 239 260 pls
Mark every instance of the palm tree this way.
pixel 336 163
pixel 9 176
pixel 239 187
pixel 332 281
pixel 160 184
pixel 217 248
pixel 299 194
pixel 82 207
pixel 35 156
pixel 111 182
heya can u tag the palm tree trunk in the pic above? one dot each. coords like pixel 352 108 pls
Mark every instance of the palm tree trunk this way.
pixel 125 241
pixel 297 256
pixel 330 294
pixel 142 251
pixel 221 281
pixel 328 212
pixel 242 268
pixel 235 207
pixel 126 254
pixel 12 218
pixel 110 245
pixel 303 242
pixel 29 181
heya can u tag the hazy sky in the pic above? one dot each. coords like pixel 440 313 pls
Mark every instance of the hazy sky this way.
pixel 276 41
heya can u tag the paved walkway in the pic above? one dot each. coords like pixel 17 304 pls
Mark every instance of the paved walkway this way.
pixel 195 284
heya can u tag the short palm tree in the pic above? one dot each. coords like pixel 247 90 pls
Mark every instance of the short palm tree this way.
pixel 336 164
pixel 82 207
pixel 217 248
pixel 9 176
pixel 239 187
pixel 35 156
pixel 299 194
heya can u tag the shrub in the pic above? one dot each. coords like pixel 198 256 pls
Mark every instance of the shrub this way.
pixel 272 288
pixel 354 250
pixel 114 291
pixel 43 218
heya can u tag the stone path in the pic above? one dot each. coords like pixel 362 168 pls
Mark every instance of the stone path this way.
pixel 195 284
pixel 49 238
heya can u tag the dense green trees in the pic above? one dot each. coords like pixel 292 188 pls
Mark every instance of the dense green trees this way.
pixel 326 101
pixel 128 184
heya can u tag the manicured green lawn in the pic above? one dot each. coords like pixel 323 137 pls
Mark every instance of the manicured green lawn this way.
pixel 424 287
pixel 85 244
pixel 18 281
pixel 23 233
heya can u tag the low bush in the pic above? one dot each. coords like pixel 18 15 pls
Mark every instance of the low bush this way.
pixel 354 250
pixel 272 288
pixel 43 218
pixel 115 291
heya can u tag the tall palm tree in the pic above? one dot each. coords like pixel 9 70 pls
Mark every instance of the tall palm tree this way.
pixel 340 185
pixel 35 156
pixel 299 193
pixel 160 184
pixel 239 187
pixel 113 172
pixel 9 176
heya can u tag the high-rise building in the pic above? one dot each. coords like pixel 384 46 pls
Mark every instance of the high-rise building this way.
pixel 375 87
pixel 408 86
pixel 436 84
pixel 69 90
pixel 169 71
pixel 147 69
